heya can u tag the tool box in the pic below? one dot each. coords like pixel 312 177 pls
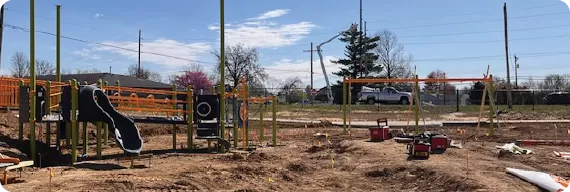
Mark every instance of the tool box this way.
pixel 420 147
pixel 439 143
pixel 380 133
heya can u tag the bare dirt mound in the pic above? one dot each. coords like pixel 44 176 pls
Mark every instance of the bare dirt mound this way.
pixel 339 147
pixel 299 167
pixel 421 179
pixel 250 157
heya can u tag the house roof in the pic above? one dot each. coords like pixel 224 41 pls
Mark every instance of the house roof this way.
pixel 125 81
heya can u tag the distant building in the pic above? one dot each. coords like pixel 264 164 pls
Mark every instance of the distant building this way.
pixel 124 80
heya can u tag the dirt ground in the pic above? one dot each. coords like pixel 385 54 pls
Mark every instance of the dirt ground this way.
pixel 403 114
pixel 302 162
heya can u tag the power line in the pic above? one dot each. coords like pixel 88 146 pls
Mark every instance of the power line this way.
pixel 417 26
pixel 485 41
pixel 480 32
pixel 70 23
pixel 493 57
pixel 106 45
pixel 464 14
pixel 474 21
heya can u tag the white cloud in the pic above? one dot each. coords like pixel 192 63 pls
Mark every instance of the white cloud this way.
pixel 97 15
pixel 4 72
pixel 270 14
pixel 86 53
pixel 286 68
pixel 265 34
pixel 179 52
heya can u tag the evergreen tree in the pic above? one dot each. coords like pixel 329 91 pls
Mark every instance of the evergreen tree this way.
pixel 351 64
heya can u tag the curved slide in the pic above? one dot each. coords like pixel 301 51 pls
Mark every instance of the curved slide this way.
pixel 126 132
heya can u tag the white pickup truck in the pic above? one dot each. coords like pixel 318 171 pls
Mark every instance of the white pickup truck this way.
pixel 385 95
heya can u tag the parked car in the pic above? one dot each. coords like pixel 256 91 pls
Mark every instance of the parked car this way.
pixel 384 95
pixel 557 98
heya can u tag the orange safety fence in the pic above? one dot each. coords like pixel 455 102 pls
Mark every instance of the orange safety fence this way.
pixel 9 92
pixel 140 90
pixel 150 104
pixel 127 98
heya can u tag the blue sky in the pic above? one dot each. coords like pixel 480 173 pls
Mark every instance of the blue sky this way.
pixel 458 37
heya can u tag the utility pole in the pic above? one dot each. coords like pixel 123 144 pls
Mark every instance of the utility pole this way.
pixel 1 31
pixel 360 46
pixel 110 70
pixel 516 71
pixel 311 50
pixel 509 87
pixel 139 66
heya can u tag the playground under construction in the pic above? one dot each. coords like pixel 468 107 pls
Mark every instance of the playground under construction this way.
pixel 132 138
pixel 101 136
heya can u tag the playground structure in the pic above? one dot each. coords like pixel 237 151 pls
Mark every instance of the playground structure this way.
pixel 68 104
pixel 415 102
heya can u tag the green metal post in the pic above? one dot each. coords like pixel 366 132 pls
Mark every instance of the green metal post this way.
pixel 344 105
pixel 235 120
pixel 20 123
pixel 222 85
pixel 99 126
pixel 274 110
pixel 174 107
pixel 74 105
pixel 68 124
pixel 57 63
pixel 491 106
pixel 190 117
pixel 417 105
pixel 118 84
pixel 85 137
pixel 57 44
pixel 48 111
pixel 246 127
pixel 32 81
pixel 261 132
pixel 105 125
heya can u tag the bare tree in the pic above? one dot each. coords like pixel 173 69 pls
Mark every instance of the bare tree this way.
pixel 391 56
pixel 171 79
pixel 293 89
pixel 155 77
pixel 87 71
pixel 241 62
pixel 530 84
pixel 144 73
pixel 555 82
pixel 193 67
pixel 66 71
pixel 20 65
pixel 44 67
pixel 272 85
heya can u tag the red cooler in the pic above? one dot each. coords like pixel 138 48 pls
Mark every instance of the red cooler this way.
pixel 380 133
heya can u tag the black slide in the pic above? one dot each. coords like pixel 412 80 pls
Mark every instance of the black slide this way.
pixel 126 132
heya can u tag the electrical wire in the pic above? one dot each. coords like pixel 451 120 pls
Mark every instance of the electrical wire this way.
pixel 462 14
pixel 106 45
pixel 474 21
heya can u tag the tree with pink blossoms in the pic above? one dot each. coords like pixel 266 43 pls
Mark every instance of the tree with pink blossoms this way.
pixel 194 77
